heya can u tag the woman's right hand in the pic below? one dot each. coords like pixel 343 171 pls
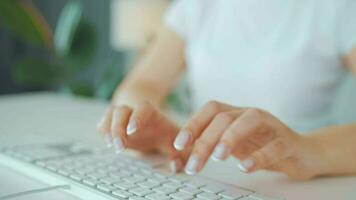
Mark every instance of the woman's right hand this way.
pixel 142 128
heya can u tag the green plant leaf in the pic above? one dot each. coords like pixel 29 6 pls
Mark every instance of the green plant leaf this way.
pixel 83 47
pixel 36 72
pixel 67 25
pixel 25 21
pixel 82 89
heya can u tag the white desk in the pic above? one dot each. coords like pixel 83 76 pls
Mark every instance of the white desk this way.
pixel 60 116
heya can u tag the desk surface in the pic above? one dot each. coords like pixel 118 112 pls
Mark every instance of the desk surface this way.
pixel 61 116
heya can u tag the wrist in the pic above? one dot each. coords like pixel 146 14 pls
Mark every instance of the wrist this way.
pixel 314 154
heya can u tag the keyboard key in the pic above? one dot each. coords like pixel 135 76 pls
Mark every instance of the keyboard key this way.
pixel 124 185
pixel 134 179
pixel 122 194
pixel 258 197
pixel 97 175
pixel 110 180
pixel 137 198
pixel 106 188
pixel 91 182
pixel 190 190
pixel 141 191
pixel 181 196
pixel 178 179
pixel 156 196
pixel 148 184
pixel 63 172
pixel 211 189
pixel 173 185
pixel 76 177
pixel 165 190
pixel 207 195
pixel 195 184
pixel 233 194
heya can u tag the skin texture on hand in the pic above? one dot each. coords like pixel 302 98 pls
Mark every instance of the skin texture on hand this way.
pixel 142 128
pixel 217 131
pixel 251 135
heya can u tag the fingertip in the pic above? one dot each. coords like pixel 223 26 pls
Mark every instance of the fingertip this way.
pixel 247 165
pixel 192 165
pixel 119 145
pixel 220 152
pixel 181 140
pixel 131 127
pixel 175 166
pixel 108 139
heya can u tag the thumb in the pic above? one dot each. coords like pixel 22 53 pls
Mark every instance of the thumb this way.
pixel 268 155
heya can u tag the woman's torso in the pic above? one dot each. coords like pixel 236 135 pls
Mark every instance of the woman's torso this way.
pixel 281 56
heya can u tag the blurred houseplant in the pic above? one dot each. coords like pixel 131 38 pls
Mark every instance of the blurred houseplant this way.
pixel 63 53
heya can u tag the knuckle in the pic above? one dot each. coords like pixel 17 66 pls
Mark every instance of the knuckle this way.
pixel 279 146
pixel 214 106
pixel 123 108
pixel 145 104
pixel 256 112
pixel 203 145
pixel 192 127
pixel 257 116
pixel 261 158
pixel 229 143
pixel 224 117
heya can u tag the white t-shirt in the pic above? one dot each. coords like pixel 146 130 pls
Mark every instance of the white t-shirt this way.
pixel 284 56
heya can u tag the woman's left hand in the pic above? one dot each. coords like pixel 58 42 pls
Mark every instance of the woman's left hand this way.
pixel 252 135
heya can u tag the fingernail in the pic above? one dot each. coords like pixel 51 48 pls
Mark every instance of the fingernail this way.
pixel 108 139
pixel 131 128
pixel 192 166
pixel 181 140
pixel 246 165
pixel 175 165
pixel 219 152
pixel 119 146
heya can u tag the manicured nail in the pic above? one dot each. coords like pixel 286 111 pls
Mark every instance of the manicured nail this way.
pixel 119 146
pixel 192 166
pixel 108 139
pixel 246 165
pixel 219 152
pixel 181 140
pixel 175 165
pixel 131 128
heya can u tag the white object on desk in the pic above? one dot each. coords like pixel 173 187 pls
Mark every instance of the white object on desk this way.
pixel 61 116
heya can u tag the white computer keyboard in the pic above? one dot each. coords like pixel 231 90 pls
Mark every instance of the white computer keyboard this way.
pixel 121 177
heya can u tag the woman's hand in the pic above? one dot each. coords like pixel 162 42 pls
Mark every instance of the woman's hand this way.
pixel 253 136
pixel 142 128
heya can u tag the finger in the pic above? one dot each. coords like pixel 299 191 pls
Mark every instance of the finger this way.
pixel 120 118
pixel 206 143
pixel 178 160
pixel 198 123
pixel 250 123
pixel 140 116
pixel 268 155
pixel 104 126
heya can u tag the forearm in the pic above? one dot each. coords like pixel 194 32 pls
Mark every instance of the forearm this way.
pixel 136 92
pixel 155 73
pixel 336 147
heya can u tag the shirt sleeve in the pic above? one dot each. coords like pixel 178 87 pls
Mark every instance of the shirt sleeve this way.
pixel 183 17
pixel 346 30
